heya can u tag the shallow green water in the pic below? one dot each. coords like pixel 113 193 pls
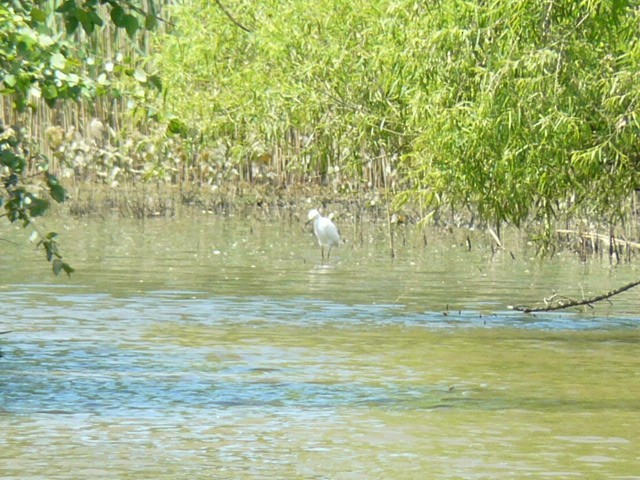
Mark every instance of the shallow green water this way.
pixel 221 348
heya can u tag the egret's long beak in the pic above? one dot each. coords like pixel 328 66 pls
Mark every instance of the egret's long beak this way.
pixel 308 222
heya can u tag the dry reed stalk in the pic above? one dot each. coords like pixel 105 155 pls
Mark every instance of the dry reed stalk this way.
pixel 391 234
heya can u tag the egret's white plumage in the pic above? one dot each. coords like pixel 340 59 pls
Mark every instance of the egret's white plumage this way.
pixel 325 230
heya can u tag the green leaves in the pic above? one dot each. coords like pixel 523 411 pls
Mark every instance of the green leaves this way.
pixel 9 80
pixel 59 266
pixel 87 14
pixel 58 61
pixel 122 19
pixel 38 15
pixel 508 109
pixel 22 205
pixel 20 201
pixel 76 14
pixel 50 246
pixel 57 191
pixel 177 127
pixel 140 75
pixel 38 62
pixel 36 206
pixel 13 162
pixel 155 82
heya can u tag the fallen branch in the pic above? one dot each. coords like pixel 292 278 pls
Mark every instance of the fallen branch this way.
pixel 608 240
pixel 575 303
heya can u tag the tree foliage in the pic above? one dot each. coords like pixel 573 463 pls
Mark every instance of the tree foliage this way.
pixel 39 61
pixel 515 110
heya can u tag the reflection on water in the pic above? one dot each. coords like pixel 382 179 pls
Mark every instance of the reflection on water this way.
pixel 218 349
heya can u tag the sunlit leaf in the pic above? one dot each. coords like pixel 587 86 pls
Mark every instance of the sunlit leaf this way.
pixel 45 41
pixel 50 91
pixel 140 75
pixel 9 80
pixel 58 61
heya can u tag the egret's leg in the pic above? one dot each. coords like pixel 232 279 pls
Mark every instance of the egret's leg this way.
pixel 322 250
pixel 329 253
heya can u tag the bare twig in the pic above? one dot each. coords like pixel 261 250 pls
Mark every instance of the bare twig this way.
pixel 8 241
pixel 144 13
pixel 231 17
pixel 558 305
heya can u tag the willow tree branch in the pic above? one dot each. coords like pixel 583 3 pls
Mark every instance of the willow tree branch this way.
pixel 576 303
pixel 144 13
pixel 228 14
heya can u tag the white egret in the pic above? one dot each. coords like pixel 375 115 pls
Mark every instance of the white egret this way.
pixel 325 230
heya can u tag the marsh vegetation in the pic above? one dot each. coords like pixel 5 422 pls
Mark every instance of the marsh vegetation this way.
pixel 481 114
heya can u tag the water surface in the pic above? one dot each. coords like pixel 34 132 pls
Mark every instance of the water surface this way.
pixel 224 348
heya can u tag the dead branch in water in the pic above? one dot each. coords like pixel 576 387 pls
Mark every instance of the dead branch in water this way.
pixel 608 240
pixel 567 303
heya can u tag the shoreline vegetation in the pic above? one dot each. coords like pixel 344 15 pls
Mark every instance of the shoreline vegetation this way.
pixel 487 116
pixel 146 201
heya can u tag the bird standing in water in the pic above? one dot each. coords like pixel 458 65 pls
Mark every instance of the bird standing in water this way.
pixel 325 230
